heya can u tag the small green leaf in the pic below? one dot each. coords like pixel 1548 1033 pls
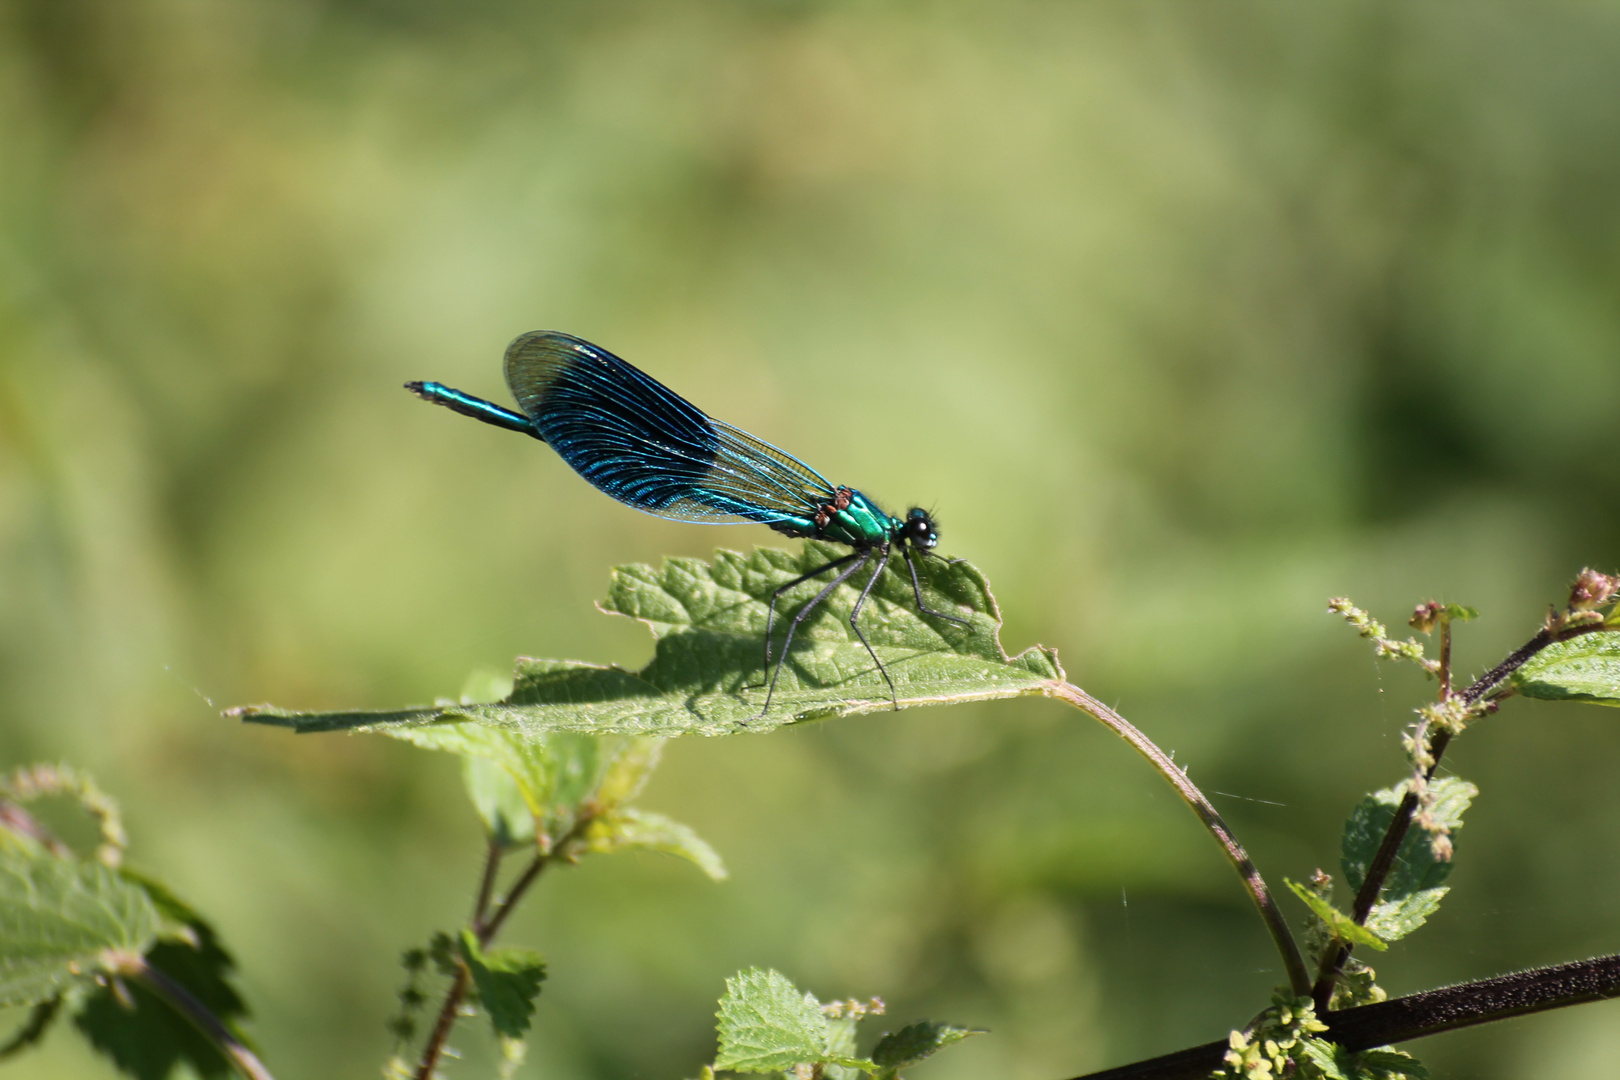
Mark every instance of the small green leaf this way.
pixel 499 800
pixel 916 1041
pixel 507 980
pixel 629 829
pixel 706 676
pixel 58 919
pixel 768 1025
pixel 1585 668
pixel 553 774
pixel 1413 890
pixel 1458 612
pixel 629 770
pixel 1338 923
pixel 1388 1064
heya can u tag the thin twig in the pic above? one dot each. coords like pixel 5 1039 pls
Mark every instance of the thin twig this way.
pixel 485 928
pixel 182 1001
pixel 1298 978
pixel 1413 1017
pixel 486 887
pixel 446 1021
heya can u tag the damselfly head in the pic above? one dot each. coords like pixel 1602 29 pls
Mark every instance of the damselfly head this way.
pixel 919 529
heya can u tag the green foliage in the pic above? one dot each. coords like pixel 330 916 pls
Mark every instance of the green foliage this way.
pixel 768 1025
pixel 543 788
pixel 1274 1042
pixel 1336 922
pixel 630 829
pixel 143 1034
pixel 1412 891
pixel 706 675
pixel 61 922
pixel 1585 668
pixel 70 927
pixel 1321 1060
pixel 507 980
pixel 916 1041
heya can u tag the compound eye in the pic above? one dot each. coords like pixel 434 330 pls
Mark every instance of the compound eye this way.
pixel 920 530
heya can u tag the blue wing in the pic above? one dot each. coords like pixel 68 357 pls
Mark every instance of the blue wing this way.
pixel 637 440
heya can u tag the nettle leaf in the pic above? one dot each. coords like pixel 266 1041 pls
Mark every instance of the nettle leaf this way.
pixel 499 800
pixel 769 1025
pixel 1413 890
pixel 916 1041
pixel 707 673
pixel 628 829
pixel 1459 612
pixel 150 1040
pixel 547 778
pixel 1585 668
pixel 1333 1062
pixel 1337 922
pixel 58 920
pixel 507 981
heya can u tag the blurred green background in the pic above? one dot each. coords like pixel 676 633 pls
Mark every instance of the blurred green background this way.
pixel 1183 316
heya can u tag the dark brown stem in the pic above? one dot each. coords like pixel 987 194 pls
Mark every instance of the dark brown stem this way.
pixel 486 929
pixel 446 1021
pixel 1445 658
pixel 1384 861
pixel 504 909
pixel 182 1001
pixel 1413 1017
pixel 486 887
pixel 1270 914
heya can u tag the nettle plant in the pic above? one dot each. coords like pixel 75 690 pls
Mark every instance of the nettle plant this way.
pixel 554 769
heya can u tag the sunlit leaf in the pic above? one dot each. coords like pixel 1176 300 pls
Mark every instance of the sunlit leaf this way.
pixel 769 1025
pixel 707 673
pixel 628 829
pixel 58 919
pixel 549 777
pixel 1413 889
pixel 151 1040
pixel 1337 922
pixel 1585 668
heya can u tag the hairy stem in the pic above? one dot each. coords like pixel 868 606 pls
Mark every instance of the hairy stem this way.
pixel 1293 962
pixel 1333 959
pixel 485 926
pixel 182 1001
pixel 1412 1017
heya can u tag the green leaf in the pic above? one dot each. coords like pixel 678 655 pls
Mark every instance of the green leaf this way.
pixel 507 980
pixel 916 1041
pixel 1330 1061
pixel 499 800
pixel 1585 668
pixel 550 777
pixel 58 920
pixel 706 676
pixel 150 1040
pixel 1458 612
pixel 768 1025
pixel 1338 923
pixel 1413 889
pixel 640 830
